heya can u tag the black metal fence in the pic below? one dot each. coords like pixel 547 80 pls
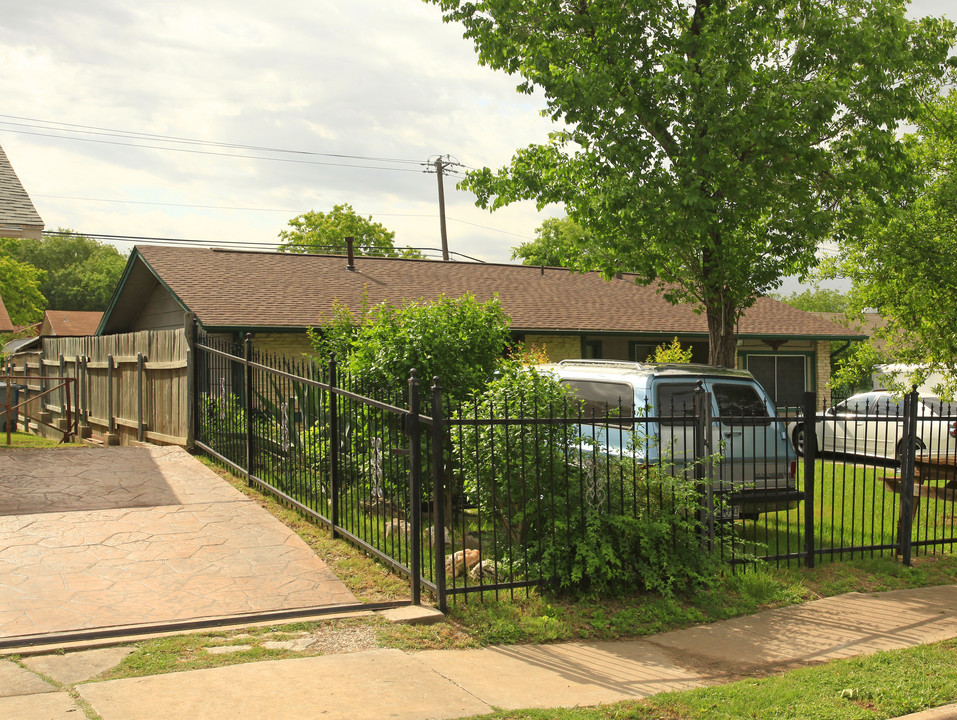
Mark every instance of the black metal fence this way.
pixel 471 501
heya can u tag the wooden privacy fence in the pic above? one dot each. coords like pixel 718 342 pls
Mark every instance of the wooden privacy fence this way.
pixel 134 386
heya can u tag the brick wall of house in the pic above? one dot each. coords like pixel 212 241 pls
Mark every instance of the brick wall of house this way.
pixel 557 347
pixel 289 344
pixel 823 376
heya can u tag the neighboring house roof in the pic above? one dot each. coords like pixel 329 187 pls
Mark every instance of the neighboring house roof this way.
pixel 5 324
pixel 20 345
pixel 18 217
pixel 65 323
pixel 256 291
pixel 865 325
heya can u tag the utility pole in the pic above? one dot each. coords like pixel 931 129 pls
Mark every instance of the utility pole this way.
pixel 439 168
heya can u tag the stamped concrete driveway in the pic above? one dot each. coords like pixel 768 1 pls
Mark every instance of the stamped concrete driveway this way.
pixel 96 538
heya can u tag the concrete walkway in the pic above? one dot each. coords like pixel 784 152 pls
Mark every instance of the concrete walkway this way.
pixel 457 683
pixel 102 538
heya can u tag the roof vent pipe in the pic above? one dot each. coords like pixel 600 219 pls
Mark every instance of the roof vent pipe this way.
pixel 350 251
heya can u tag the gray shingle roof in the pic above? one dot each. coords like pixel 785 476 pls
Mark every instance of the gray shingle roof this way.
pixel 229 289
pixel 18 217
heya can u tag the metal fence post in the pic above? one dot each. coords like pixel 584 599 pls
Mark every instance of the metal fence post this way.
pixel 62 377
pixel 810 463
pixel 333 447
pixel 248 403
pixel 702 462
pixel 909 450
pixel 413 430
pixel 438 495
pixel 192 370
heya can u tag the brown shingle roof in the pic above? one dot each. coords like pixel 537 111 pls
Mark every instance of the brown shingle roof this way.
pixel 66 323
pixel 18 217
pixel 230 289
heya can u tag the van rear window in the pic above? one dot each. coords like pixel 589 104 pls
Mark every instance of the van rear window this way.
pixel 604 399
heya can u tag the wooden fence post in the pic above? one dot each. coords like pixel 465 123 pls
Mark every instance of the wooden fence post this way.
pixel 112 437
pixel 139 396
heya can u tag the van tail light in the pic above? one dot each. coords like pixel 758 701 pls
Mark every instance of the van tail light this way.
pixel 792 470
pixel 953 429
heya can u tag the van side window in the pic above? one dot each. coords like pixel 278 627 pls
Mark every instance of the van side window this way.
pixel 604 400
pixel 675 402
pixel 740 404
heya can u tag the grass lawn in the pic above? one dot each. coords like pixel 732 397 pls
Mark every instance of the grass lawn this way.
pixel 20 441
pixel 853 508
pixel 884 685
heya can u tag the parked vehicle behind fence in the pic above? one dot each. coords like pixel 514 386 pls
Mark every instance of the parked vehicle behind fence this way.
pixel 871 425
pixel 647 411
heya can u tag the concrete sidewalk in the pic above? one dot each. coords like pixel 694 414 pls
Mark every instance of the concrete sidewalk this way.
pixel 458 683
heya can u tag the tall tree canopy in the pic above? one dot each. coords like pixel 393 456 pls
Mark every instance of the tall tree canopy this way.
pixel 559 242
pixel 707 144
pixel 325 233
pixel 80 273
pixel 903 264
pixel 20 290
pixel 816 299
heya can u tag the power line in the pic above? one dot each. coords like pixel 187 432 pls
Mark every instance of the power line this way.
pixel 132 134
pixel 275 210
pixel 211 152
pixel 249 245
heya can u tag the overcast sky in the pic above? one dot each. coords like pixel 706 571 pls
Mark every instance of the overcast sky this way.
pixel 382 79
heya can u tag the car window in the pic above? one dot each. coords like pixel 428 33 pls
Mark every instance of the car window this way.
pixel 674 402
pixel 740 404
pixel 934 406
pixel 854 406
pixel 604 399
pixel 886 406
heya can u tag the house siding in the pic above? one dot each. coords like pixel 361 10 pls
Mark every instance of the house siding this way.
pixel 160 312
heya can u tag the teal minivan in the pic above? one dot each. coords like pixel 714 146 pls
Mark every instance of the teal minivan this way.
pixel 647 410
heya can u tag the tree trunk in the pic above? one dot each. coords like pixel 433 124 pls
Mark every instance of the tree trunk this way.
pixel 722 335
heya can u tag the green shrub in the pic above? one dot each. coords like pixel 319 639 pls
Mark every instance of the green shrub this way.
pixel 611 524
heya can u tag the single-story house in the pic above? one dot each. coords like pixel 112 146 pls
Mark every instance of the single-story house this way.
pixel 277 296
pixel 18 217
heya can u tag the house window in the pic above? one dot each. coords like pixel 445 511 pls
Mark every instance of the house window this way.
pixel 591 349
pixel 784 377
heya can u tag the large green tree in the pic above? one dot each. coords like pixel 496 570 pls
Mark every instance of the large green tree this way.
pixel 559 242
pixel 20 289
pixel 707 144
pixel 80 273
pixel 325 234
pixel 903 264
pixel 816 299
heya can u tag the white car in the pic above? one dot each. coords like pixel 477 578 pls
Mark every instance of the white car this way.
pixel 871 425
